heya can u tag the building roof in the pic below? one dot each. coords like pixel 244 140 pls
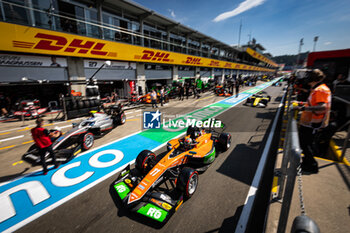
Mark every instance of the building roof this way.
pixel 135 9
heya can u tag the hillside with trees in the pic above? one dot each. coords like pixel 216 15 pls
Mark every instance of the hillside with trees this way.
pixel 290 60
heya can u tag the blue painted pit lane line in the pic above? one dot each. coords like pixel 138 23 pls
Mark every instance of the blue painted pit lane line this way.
pixel 31 196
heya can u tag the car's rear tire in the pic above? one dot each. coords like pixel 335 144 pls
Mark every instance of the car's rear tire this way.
pixel 87 141
pixel 187 181
pixel 191 131
pixel 225 141
pixel 145 161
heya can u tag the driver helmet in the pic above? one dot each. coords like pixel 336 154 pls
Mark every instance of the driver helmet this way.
pixel 188 142
pixel 91 115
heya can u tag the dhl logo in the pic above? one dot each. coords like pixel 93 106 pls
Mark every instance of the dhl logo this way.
pixel 214 63
pixel 60 43
pixel 193 61
pixel 150 55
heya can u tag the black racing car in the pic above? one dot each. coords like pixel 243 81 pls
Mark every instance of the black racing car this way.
pixel 79 138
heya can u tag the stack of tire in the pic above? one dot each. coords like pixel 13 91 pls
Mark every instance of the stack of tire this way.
pixel 81 107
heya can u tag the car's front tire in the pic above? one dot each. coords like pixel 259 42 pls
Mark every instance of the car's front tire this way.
pixel 145 161
pixel 87 141
pixel 187 181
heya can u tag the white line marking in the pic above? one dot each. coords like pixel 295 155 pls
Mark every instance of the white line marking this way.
pixel 8 139
pixel 249 201
pixel 30 126
pixel 66 126
pixel 16 129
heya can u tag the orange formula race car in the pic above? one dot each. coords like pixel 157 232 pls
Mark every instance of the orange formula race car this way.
pixel 158 185
pixel 221 91
pixel 146 99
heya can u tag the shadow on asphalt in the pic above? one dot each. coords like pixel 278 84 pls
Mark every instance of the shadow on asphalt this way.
pixel 229 224
pixel 344 171
pixel 241 154
pixel 266 115
pixel 13 176
pixel 278 99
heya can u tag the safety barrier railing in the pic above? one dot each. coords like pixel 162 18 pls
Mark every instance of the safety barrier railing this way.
pixel 290 170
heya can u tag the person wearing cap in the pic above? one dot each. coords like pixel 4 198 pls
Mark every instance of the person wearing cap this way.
pixel 315 116
pixel 41 137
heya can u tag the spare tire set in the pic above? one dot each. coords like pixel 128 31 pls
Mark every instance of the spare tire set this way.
pixel 79 108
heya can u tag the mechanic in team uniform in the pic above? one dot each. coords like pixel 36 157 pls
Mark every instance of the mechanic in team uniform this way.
pixel 315 117
pixel 162 96
pixel 43 141
pixel 154 99
pixel 237 84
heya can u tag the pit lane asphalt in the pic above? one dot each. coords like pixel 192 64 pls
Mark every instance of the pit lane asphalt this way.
pixel 216 205
pixel 11 151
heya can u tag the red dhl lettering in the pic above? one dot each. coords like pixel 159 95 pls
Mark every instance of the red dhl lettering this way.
pixel 158 56
pixel 193 60
pixel 214 63
pixel 56 43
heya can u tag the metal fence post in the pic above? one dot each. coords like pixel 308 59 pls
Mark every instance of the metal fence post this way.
pixel 286 152
pixel 295 156
pixel 345 146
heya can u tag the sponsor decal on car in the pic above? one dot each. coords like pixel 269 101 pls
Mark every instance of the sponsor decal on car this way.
pixel 122 190
pixel 166 206
pixel 128 181
pixel 156 201
pixel 179 203
pixel 153 212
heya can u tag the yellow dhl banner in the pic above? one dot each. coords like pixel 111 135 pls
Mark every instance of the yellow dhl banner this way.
pixel 17 38
pixel 260 57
